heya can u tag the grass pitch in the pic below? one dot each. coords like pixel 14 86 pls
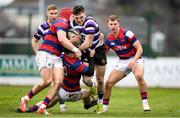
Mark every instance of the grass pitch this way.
pixel 125 102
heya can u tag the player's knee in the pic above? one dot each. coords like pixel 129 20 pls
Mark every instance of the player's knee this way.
pixel 139 76
pixel 100 81
pixel 140 80
pixel 57 83
pixel 87 82
pixel 109 84
pixel 45 83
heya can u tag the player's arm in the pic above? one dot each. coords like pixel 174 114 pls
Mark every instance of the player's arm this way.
pixel 101 37
pixel 138 54
pixel 35 44
pixel 87 42
pixel 107 47
pixel 139 49
pixel 135 42
pixel 66 43
pixel 36 37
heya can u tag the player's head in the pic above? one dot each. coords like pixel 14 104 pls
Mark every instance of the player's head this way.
pixel 66 13
pixel 73 36
pixel 52 12
pixel 113 23
pixel 79 14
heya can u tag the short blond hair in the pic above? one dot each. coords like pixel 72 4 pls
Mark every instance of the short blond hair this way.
pixel 113 18
pixel 52 7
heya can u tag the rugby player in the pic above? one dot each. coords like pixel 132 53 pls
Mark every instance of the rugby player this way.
pixel 42 62
pixel 90 33
pixel 129 50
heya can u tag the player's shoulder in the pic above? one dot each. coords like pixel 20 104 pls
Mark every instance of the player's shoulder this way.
pixel 59 20
pixel 128 33
pixel 90 19
pixel 110 36
pixel 43 25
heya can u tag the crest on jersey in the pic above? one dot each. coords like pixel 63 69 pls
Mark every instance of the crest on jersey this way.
pixel 112 43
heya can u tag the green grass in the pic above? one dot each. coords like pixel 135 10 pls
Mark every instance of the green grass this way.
pixel 125 102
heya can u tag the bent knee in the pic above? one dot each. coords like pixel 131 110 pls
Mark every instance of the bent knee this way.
pixel 45 82
pixel 109 84
pixel 100 81
pixel 57 83
pixel 139 76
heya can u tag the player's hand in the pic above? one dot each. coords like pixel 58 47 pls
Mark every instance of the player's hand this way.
pixel 91 53
pixel 131 64
pixel 101 37
pixel 78 53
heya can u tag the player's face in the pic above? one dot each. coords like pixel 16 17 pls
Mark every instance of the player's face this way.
pixel 52 15
pixel 79 19
pixel 113 26
pixel 74 38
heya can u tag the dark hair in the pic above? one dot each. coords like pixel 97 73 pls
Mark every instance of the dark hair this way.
pixel 78 9
pixel 71 31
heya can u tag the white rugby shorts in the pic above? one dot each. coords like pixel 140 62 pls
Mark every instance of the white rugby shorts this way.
pixel 70 96
pixel 48 60
pixel 122 65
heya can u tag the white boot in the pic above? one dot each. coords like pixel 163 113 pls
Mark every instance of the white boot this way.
pixel 63 108
pixel 146 105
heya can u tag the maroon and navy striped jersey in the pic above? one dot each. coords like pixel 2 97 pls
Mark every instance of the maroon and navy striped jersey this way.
pixel 73 69
pixel 51 43
pixel 41 30
pixel 123 44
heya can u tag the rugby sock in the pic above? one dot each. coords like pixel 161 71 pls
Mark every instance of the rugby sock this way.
pixel 30 94
pixel 100 96
pixel 143 95
pixel 105 101
pixel 46 101
pixel 33 108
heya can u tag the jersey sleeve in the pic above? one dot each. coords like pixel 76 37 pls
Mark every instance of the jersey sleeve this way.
pixel 131 37
pixel 81 68
pixel 90 27
pixel 39 33
pixel 61 24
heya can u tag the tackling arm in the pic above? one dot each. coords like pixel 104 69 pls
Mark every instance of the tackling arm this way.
pixel 66 43
pixel 87 43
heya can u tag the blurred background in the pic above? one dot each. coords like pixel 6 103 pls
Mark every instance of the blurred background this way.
pixel 155 22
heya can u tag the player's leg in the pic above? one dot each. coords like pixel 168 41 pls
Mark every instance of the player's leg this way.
pixel 114 77
pixel 100 61
pixel 43 61
pixel 138 71
pixel 37 106
pixel 63 97
pixel 46 75
pixel 86 96
pixel 87 80
pixel 90 83
pixel 57 80
pixel 100 72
